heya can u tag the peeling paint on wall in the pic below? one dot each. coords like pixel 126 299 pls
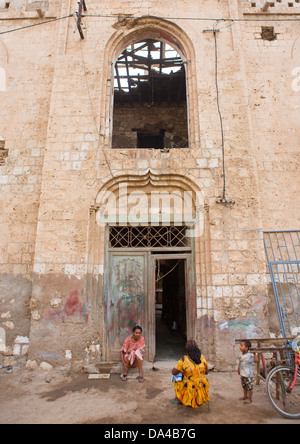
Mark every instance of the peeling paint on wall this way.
pixel 248 327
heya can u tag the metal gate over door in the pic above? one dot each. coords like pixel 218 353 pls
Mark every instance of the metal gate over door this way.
pixel 283 254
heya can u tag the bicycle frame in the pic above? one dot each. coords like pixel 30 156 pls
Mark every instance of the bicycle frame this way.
pixel 293 382
pixel 282 387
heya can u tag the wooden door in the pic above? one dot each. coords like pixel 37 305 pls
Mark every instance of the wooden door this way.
pixel 126 300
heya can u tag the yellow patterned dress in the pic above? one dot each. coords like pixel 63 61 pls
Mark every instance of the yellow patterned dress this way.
pixel 193 390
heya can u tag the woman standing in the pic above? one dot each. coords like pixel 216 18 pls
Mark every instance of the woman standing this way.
pixel 132 353
pixel 193 390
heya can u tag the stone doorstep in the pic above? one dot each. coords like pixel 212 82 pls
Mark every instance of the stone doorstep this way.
pixel 116 368
pixel 148 367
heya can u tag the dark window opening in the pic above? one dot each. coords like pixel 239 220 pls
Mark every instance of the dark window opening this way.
pixel 3 152
pixel 150 91
pixel 150 140
pixel 268 33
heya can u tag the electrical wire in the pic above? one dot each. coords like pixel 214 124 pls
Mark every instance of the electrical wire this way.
pixel 214 19
pixel 36 24
pixel 127 16
pixel 215 31
pixel 159 278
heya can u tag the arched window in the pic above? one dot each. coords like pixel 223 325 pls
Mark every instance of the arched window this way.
pixel 150 97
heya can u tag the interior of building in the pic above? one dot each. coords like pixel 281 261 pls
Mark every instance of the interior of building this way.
pixel 170 309
pixel 150 105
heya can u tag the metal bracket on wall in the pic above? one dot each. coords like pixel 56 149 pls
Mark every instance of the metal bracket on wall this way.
pixel 81 6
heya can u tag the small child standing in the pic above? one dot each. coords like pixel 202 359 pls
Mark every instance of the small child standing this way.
pixel 245 369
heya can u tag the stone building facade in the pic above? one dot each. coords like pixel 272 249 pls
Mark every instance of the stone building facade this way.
pixel 74 280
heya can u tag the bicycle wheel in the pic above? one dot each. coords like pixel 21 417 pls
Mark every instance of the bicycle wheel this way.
pixel 284 401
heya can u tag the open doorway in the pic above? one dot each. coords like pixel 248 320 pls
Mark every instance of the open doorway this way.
pixel 170 308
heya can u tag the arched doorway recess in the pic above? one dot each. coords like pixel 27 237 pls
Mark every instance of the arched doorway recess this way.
pixel 139 254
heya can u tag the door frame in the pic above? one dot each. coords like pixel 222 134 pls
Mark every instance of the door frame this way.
pixel 190 297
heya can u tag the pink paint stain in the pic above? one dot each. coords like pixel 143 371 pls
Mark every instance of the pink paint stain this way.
pixel 72 307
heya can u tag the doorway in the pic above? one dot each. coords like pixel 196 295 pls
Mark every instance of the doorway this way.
pixel 150 281
pixel 170 308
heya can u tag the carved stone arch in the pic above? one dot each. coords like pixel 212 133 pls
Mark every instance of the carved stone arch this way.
pixel 187 191
pixel 102 251
pixel 153 178
pixel 99 252
pixel 131 30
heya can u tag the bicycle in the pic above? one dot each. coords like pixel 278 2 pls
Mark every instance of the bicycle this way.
pixel 283 386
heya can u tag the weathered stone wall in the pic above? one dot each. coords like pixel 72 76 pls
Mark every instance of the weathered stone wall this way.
pixel 272 75
pixel 26 61
pixel 56 120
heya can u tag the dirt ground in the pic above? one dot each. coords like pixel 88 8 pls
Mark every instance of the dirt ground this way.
pixel 53 397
